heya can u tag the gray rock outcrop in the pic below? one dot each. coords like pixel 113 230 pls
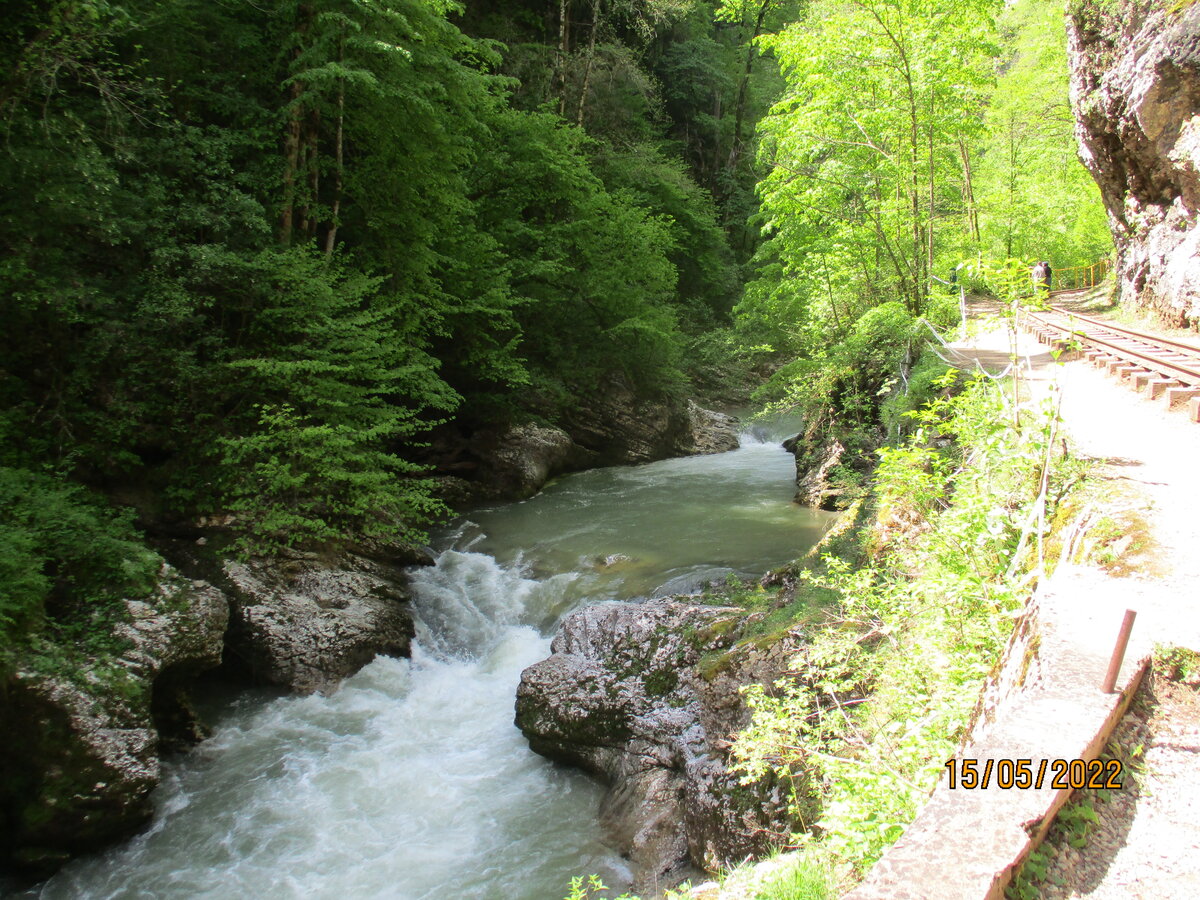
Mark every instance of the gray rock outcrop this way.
pixel 816 459
pixel 646 696
pixel 707 431
pixel 1135 91
pixel 622 428
pixel 516 461
pixel 612 428
pixel 305 620
pixel 87 757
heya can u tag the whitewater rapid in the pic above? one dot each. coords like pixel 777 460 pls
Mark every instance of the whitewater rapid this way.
pixel 411 781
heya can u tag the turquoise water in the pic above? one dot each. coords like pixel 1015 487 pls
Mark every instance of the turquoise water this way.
pixel 411 781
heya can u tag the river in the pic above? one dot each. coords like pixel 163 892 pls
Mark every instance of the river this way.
pixel 410 781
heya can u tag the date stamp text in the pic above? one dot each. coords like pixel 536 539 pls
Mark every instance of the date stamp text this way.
pixel 1021 774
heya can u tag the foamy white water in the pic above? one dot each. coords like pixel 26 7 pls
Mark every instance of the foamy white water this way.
pixel 411 781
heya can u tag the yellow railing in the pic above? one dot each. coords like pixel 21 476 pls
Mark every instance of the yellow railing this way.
pixel 1081 276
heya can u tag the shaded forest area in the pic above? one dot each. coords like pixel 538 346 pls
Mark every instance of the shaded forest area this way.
pixel 255 258
pixel 253 253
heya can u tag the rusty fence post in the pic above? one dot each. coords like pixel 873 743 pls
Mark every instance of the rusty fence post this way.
pixel 1118 655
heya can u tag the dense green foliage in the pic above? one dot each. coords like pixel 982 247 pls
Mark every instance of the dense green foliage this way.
pixel 64 557
pixel 252 253
pixel 1035 199
pixel 916 148
pixel 928 584
pixel 913 140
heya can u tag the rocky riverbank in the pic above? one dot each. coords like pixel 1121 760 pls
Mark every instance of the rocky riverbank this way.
pixel 513 462
pixel 93 724
pixel 646 696
pixel 82 739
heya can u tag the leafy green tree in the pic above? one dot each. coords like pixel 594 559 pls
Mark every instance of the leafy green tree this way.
pixel 325 391
pixel 64 557
pixel 589 268
pixel 864 145
pixel 708 277
pixel 1035 199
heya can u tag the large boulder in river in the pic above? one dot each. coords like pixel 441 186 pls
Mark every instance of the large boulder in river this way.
pixel 707 431
pixel 646 696
pixel 306 620
pixel 1135 91
pixel 622 428
pixel 81 736
pixel 515 462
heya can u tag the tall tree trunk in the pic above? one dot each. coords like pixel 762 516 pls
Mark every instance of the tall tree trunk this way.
pixel 1012 186
pixel 739 113
pixel 964 153
pixel 295 127
pixel 291 153
pixel 918 248
pixel 929 224
pixel 338 168
pixel 563 35
pixel 587 69
pixel 312 167
pixel 715 168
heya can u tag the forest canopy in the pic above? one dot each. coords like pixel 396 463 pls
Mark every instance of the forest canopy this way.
pixel 915 147
pixel 252 255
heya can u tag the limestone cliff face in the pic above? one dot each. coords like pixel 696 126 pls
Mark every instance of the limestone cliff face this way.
pixel 646 696
pixel 1135 90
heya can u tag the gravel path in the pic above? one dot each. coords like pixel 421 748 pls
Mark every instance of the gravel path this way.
pixel 1145 842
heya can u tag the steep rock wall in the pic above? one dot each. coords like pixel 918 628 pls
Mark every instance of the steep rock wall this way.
pixel 1135 91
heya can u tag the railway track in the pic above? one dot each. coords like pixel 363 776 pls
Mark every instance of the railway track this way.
pixel 1156 366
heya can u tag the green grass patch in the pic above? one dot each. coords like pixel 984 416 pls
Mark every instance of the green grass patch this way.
pixel 799 876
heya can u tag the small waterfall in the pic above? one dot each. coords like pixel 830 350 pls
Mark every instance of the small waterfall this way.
pixel 756 434
pixel 770 429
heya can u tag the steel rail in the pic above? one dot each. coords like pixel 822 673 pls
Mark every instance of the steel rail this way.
pixel 1190 349
pixel 1172 370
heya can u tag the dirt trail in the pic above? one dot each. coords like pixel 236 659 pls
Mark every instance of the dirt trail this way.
pixel 1147 840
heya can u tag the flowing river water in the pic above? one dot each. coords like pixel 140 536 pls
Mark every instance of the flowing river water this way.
pixel 411 781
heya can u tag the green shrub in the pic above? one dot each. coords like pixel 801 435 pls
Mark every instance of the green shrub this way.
pixel 882 693
pixel 63 554
pixel 926 379
pixel 844 384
